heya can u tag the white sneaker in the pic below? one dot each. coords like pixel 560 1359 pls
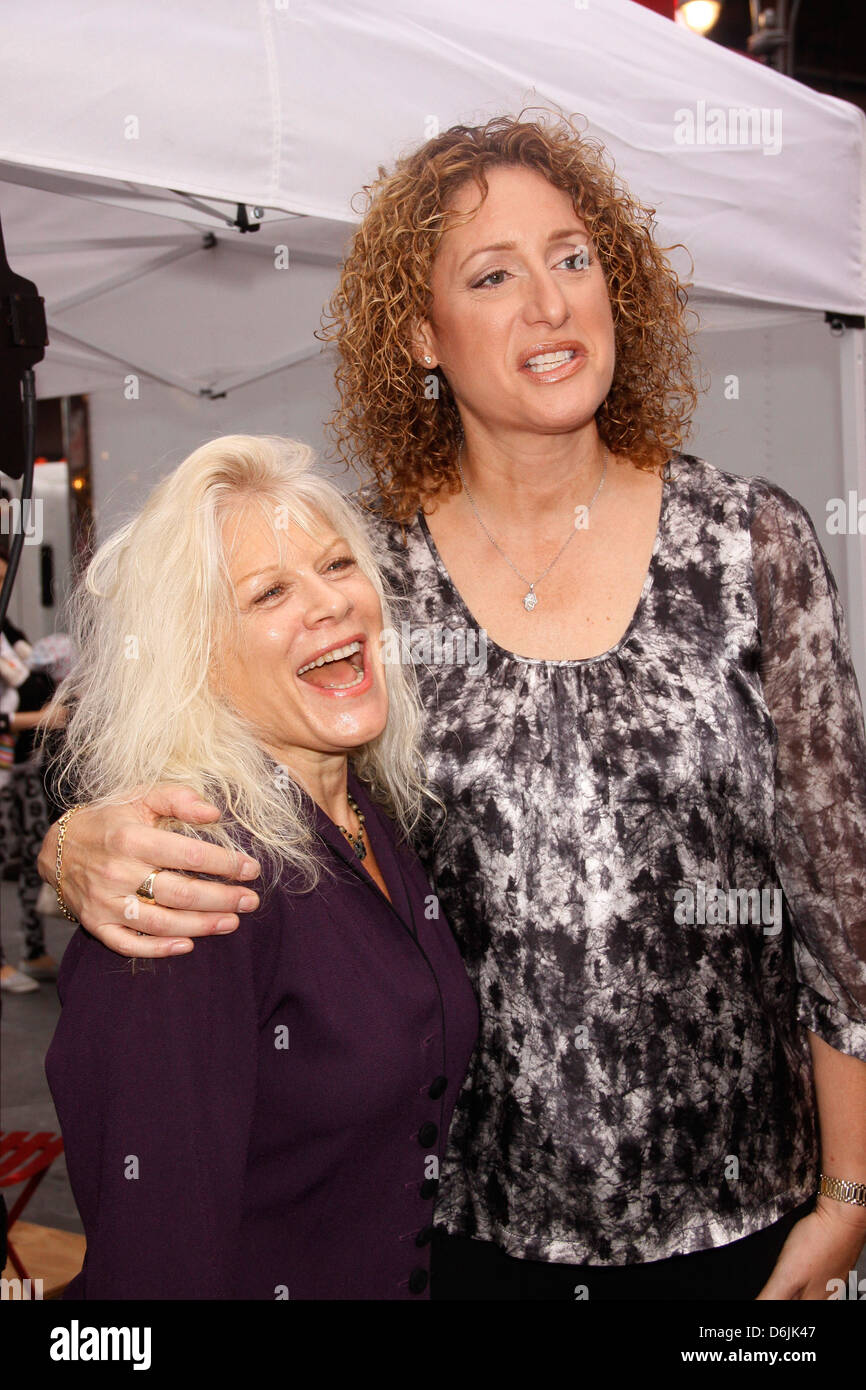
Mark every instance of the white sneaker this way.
pixel 46 970
pixel 16 983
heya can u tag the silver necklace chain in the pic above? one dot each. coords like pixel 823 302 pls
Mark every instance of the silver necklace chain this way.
pixel 530 598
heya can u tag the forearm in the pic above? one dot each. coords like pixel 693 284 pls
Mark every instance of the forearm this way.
pixel 24 719
pixel 52 716
pixel 840 1092
pixel 819 1257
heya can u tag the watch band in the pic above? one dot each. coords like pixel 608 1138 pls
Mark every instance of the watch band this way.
pixel 841 1190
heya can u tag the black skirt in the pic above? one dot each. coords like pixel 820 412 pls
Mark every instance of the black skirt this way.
pixel 464 1269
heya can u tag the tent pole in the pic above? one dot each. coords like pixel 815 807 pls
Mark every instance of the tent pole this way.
pixel 127 277
pixel 853 434
pixel 293 358
pixel 191 389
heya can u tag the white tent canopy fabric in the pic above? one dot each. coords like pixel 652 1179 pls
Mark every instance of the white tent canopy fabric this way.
pixel 128 291
pixel 292 104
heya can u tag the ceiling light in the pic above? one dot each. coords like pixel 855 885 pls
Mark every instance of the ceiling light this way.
pixel 698 15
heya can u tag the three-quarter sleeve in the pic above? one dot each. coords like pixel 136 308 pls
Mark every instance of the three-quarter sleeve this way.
pixel 811 690
pixel 153 1074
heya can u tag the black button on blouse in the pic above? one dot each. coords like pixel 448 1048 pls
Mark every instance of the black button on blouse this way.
pixel 418 1280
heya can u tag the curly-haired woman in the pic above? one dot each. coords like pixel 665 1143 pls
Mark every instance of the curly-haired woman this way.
pixel 655 782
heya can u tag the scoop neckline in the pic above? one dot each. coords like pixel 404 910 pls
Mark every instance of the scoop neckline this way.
pixel 636 617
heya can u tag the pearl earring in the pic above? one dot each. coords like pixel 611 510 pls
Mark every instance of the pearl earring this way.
pixel 428 359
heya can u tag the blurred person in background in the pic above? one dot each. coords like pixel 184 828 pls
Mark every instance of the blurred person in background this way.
pixel 26 690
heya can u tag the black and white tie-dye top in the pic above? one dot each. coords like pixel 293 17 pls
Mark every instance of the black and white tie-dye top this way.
pixel 654 861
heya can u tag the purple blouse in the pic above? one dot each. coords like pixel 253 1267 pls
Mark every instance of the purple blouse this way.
pixel 264 1118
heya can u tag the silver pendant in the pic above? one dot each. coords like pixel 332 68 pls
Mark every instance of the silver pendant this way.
pixel 531 599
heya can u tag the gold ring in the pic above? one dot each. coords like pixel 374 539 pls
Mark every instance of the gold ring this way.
pixel 145 891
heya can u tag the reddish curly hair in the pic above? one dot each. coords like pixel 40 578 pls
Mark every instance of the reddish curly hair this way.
pixel 386 423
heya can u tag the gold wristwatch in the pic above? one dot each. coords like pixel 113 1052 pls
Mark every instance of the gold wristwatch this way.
pixel 841 1190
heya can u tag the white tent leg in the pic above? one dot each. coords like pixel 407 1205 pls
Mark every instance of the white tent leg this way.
pixel 853 430
pixel 290 360
pixel 102 243
pixel 126 277
pixel 190 388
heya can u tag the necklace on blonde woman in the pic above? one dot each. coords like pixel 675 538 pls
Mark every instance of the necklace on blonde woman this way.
pixel 356 841
pixel 530 598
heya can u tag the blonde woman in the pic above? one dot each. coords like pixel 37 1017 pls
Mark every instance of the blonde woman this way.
pixel 667 707
pixel 264 1118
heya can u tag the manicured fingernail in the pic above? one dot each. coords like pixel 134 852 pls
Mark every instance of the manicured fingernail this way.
pixel 226 924
pixel 248 902
pixel 180 948
pixel 249 869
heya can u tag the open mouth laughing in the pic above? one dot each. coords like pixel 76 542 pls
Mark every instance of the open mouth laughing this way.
pixel 341 669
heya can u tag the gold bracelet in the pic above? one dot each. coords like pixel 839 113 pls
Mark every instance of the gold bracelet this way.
pixel 841 1190
pixel 62 826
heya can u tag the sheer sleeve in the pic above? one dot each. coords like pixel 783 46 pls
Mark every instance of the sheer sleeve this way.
pixel 812 693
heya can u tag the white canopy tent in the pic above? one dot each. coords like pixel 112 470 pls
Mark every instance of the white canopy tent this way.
pixel 134 140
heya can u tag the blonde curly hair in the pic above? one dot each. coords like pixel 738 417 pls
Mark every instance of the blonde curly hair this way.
pixel 386 422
